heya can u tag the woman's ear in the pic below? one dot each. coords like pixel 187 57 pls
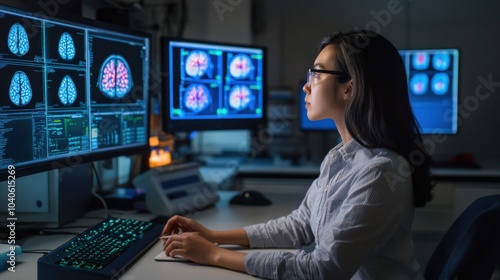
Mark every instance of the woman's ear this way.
pixel 348 90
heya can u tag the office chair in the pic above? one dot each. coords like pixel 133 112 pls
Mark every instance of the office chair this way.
pixel 470 249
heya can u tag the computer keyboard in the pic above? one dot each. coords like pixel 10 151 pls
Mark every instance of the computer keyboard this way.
pixel 104 251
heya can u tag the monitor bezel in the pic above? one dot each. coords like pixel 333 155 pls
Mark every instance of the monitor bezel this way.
pixel 66 164
pixel 173 126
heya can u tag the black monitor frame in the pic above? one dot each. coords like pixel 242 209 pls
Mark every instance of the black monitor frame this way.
pixel 173 126
pixel 65 164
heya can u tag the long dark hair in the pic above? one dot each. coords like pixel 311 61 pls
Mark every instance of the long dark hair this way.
pixel 379 113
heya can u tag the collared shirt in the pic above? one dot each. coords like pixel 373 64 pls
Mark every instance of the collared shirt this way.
pixel 358 212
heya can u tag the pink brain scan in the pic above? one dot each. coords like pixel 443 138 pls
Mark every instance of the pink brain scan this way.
pixel 241 66
pixel 440 83
pixel 115 77
pixel 197 97
pixel 240 97
pixel 441 61
pixel 198 63
pixel 421 61
pixel 419 84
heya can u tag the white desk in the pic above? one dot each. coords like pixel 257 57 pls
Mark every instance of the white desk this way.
pixel 223 216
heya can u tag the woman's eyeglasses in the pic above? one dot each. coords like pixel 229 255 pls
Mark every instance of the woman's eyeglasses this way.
pixel 331 72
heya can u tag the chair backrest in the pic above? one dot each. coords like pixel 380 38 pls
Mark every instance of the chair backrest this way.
pixel 470 249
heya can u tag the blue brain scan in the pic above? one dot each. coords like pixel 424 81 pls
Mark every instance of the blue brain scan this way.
pixel 421 61
pixel 20 92
pixel 115 77
pixel 440 83
pixel 441 61
pixel 197 97
pixel 67 91
pixel 241 66
pixel 17 40
pixel 66 47
pixel 240 97
pixel 198 63
pixel 419 84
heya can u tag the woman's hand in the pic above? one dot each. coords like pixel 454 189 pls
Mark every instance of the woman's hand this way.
pixel 178 224
pixel 192 246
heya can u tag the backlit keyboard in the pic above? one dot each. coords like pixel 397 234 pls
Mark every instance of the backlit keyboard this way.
pixel 103 251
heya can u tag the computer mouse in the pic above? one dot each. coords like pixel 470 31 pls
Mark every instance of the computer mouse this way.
pixel 250 198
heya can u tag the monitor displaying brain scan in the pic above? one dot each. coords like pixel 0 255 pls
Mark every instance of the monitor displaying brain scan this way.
pixel 213 85
pixel 432 76
pixel 70 88
pixel 433 88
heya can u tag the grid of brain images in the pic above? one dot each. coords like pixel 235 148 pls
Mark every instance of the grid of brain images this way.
pixel 430 73
pixel 219 83
pixel 62 82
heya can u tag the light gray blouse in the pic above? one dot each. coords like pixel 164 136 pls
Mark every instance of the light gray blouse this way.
pixel 358 212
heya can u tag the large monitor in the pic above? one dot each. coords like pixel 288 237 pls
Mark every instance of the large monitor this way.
pixel 72 91
pixel 432 87
pixel 211 86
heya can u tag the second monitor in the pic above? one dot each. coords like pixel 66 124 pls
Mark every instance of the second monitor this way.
pixel 213 86
pixel 433 86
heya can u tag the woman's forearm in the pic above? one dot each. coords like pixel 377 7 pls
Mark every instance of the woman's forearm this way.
pixel 233 260
pixel 236 236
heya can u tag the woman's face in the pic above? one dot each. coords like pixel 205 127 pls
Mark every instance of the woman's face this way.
pixel 325 96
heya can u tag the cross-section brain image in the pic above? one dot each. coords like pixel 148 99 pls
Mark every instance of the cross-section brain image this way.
pixel 197 97
pixel 241 66
pixel 240 97
pixel 198 63
pixel 17 40
pixel 441 61
pixel 421 61
pixel 20 92
pixel 115 77
pixel 67 91
pixel 419 84
pixel 66 47
pixel 440 83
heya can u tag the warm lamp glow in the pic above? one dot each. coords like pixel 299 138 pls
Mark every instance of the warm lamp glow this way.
pixel 159 156
pixel 154 141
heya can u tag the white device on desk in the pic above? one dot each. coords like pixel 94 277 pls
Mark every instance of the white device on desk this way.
pixel 176 189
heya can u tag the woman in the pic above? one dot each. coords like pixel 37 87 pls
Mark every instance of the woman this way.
pixel 359 210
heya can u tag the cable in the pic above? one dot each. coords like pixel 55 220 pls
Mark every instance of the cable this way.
pixel 96 194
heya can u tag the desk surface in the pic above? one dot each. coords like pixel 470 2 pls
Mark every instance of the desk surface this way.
pixel 222 216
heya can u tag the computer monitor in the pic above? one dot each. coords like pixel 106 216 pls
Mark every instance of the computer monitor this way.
pixel 73 91
pixel 433 88
pixel 307 125
pixel 212 86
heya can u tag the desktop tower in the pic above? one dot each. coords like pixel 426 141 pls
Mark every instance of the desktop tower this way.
pixel 49 199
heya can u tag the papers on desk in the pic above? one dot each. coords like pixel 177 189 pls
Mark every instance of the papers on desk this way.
pixel 162 257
